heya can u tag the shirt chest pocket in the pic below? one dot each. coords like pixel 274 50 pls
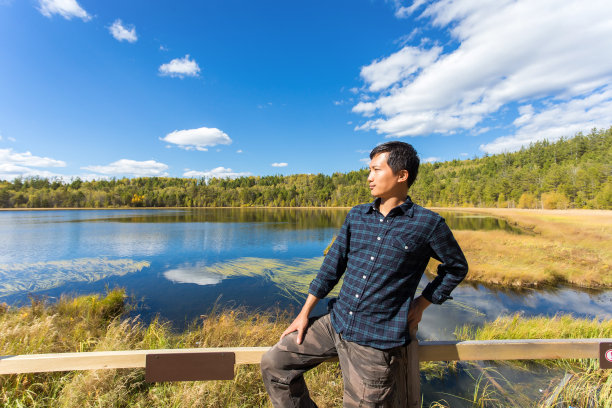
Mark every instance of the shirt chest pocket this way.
pixel 407 246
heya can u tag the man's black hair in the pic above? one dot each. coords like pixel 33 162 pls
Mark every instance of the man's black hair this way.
pixel 402 156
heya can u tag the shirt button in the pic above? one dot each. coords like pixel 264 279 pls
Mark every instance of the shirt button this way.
pixel 351 313
pixel 364 276
pixel 371 258
pixel 356 296
pixel 406 247
pixel 378 238
pixel 381 220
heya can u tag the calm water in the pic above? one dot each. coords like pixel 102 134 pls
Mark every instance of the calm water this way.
pixel 179 263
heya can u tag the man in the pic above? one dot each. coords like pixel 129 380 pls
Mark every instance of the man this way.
pixel 382 249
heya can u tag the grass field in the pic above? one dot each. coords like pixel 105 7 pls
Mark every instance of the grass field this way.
pixel 563 246
pixel 94 323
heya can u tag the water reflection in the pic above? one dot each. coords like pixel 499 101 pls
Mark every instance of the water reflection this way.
pixel 458 220
pixel 281 218
pixel 193 274
pixel 37 276
pixel 273 218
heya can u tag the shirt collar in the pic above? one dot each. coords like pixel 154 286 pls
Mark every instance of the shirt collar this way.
pixel 407 207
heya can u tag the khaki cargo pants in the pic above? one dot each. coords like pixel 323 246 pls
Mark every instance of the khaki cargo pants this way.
pixel 372 377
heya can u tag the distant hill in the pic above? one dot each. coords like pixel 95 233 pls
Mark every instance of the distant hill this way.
pixel 570 173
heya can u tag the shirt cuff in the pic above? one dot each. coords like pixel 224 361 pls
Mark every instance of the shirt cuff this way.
pixel 429 294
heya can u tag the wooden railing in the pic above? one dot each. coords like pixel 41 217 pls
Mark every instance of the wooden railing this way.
pixel 427 351
pixel 218 363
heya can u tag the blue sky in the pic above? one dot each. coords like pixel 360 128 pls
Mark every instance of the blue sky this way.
pixel 101 89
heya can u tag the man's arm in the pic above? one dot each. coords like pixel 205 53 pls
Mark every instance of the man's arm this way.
pixel 452 269
pixel 331 270
pixel 301 321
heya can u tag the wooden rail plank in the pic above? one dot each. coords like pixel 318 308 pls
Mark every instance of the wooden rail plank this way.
pixel 510 350
pixel 428 351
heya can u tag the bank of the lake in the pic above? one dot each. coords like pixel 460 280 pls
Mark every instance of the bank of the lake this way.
pixel 570 247
pixel 97 323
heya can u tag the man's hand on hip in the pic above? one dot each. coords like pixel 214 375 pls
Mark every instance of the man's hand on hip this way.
pixel 417 307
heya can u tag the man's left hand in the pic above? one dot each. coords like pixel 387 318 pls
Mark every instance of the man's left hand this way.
pixel 417 307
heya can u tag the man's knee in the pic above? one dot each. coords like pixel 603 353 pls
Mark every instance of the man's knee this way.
pixel 269 361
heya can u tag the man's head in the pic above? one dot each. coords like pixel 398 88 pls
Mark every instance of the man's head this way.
pixel 400 156
pixel 393 169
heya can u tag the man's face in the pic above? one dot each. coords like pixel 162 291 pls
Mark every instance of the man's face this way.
pixel 383 183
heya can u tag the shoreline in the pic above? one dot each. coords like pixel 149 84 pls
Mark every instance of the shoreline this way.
pixel 569 211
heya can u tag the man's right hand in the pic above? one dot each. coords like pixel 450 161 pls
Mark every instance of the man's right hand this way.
pixel 300 324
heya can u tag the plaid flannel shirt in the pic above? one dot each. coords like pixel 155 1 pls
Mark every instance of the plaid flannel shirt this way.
pixel 383 259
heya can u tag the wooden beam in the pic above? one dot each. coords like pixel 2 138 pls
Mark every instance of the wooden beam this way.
pixel 510 350
pixel 428 351
pixel 96 360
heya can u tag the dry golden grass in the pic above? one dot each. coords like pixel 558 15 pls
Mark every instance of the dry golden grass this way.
pixel 563 246
pixel 93 323
pixel 587 385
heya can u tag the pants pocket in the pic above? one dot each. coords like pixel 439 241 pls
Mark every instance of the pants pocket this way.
pixel 376 393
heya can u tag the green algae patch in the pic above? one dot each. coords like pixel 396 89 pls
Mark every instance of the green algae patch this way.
pixel 36 276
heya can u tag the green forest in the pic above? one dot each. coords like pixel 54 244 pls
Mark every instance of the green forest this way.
pixel 572 172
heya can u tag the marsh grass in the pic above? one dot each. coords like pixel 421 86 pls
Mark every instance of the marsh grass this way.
pixel 93 323
pixel 565 247
pixel 98 323
pixel 585 384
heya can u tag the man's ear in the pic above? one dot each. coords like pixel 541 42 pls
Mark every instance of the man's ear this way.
pixel 402 175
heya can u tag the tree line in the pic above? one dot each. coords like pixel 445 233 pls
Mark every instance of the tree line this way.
pixel 569 173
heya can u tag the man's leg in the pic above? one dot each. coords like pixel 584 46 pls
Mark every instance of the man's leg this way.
pixel 283 366
pixel 372 377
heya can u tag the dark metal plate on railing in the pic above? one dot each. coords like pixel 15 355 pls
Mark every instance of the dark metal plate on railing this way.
pixel 189 366
pixel 605 355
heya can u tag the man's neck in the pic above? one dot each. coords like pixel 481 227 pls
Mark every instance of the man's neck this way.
pixel 387 204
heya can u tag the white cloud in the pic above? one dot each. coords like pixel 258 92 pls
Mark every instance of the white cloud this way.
pixel 198 139
pixel 555 121
pixel 218 172
pixel 180 67
pixel 14 165
pixel 148 168
pixel 279 164
pixel 401 65
pixel 365 160
pixel 543 53
pixel 123 33
pixel 405 11
pixel 11 139
pixel 7 156
pixel 239 151
pixel 431 160
pixel 65 8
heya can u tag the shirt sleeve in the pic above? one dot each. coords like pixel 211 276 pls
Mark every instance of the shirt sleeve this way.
pixel 334 263
pixel 453 267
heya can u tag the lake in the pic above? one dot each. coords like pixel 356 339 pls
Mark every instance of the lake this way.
pixel 178 263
